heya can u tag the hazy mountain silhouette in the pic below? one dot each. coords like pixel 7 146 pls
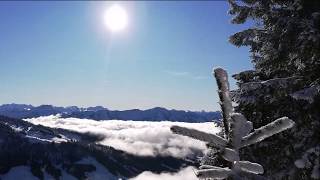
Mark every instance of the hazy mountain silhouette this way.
pixel 101 113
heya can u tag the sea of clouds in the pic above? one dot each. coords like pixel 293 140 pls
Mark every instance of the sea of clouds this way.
pixel 187 173
pixel 136 137
pixel 140 138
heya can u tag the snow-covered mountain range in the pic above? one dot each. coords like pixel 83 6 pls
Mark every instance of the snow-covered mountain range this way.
pixel 101 113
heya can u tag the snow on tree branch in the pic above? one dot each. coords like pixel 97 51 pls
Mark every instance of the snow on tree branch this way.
pixel 225 100
pixel 307 94
pixel 249 167
pixel 214 173
pixel 202 136
pixel 276 83
pixel 230 155
pixel 239 127
pixel 268 130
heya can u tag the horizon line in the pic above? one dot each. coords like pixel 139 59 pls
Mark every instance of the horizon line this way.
pixel 142 109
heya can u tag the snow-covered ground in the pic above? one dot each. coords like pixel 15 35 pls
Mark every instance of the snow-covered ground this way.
pixel 136 137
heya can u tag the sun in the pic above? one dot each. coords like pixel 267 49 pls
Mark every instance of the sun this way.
pixel 116 18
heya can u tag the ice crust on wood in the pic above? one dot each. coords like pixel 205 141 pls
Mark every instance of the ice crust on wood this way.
pixel 249 167
pixel 214 173
pixel 239 128
pixel 230 155
pixel 207 167
pixel 225 100
pixel 268 130
pixel 202 136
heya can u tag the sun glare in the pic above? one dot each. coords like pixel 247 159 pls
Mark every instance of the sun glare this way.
pixel 116 18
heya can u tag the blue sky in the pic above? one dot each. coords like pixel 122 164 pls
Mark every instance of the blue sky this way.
pixel 61 53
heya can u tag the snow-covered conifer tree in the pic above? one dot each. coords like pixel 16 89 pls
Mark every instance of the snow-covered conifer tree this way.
pixel 284 43
pixel 238 134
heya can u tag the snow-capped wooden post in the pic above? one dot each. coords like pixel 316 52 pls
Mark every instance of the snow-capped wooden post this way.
pixel 238 134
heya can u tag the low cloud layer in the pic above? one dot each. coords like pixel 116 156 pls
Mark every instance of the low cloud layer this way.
pixel 136 137
pixel 183 174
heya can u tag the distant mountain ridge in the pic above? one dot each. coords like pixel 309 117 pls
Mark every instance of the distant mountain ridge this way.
pixel 102 113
